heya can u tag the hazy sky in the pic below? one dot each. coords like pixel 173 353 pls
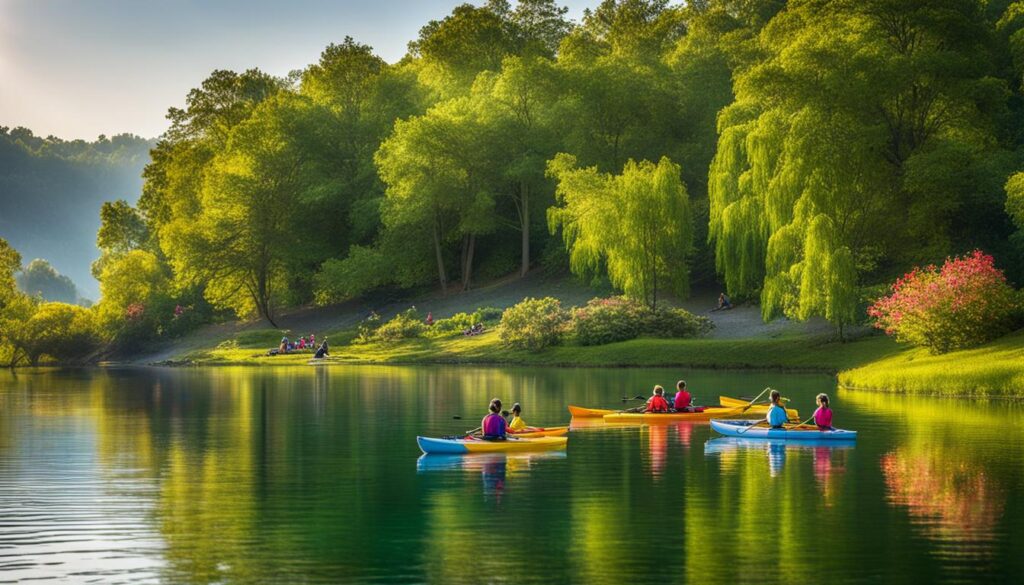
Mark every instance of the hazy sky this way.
pixel 80 68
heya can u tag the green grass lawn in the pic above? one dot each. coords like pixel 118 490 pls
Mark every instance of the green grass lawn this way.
pixel 793 353
pixel 995 369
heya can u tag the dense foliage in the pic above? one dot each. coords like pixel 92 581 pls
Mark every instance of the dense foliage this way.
pixel 963 303
pixel 533 324
pixel 803 152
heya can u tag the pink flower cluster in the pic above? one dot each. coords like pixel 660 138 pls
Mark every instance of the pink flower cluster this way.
pixel 135 311
pixel 965 302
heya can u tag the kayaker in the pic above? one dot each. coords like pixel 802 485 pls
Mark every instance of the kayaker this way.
pixel 494 425
pixel 823 416
pixel 657 402
pixel 683 401
pixel 517 424
pixel 776 412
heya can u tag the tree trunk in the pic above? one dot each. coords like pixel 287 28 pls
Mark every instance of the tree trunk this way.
pixel 467 269
pixel 524 219
pixel 440 261
pixel 263 299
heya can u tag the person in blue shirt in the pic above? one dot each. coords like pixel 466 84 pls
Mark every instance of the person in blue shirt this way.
pixel 776 412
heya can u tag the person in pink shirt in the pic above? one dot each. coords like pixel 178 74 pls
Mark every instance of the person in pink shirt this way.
pixel 823 416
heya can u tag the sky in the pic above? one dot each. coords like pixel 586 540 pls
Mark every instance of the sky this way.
pixel 81 68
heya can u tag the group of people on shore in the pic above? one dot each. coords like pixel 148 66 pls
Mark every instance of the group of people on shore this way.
pixel 302 344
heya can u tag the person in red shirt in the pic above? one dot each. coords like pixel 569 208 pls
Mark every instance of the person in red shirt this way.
pixel 683 401
pixel 657 402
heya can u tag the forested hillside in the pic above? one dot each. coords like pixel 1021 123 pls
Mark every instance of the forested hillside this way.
pixel 51 191
pixel 803 154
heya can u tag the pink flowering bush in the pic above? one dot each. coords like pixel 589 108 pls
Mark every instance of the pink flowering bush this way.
pixel 964 303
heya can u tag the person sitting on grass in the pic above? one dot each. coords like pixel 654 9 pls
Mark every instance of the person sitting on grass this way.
pixel 723 303
pixel 823 416
pixel 283 348
pixel 776 416
pixel 494 425
pixel 429 320
pixel 657 402
pixel 683 401
pixel 323 351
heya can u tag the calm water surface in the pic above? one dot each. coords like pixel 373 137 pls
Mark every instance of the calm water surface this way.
pixel 312 474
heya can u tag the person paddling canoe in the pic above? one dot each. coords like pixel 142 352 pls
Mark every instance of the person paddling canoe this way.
pixel 683 401
pixel 657 402
pixel 776 412
pixel 823 416
pixel 494 425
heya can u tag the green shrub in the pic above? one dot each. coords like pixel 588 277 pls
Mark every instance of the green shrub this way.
pixel 487 315
pixel 533 324
pixel 604 321
pixel 405 325
pixel 614 319
pixel 457 323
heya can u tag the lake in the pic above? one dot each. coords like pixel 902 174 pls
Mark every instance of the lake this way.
pixel 312 474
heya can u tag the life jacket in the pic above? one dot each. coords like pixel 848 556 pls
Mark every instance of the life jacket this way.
pixel 682 400
pixel 493 425
pixel 657 404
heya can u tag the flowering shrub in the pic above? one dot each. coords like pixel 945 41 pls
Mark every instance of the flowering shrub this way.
pixel 618 319
pixel 532 324
pixel 964 303
pixel 457 323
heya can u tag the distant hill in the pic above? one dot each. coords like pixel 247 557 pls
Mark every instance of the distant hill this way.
pixel 51 191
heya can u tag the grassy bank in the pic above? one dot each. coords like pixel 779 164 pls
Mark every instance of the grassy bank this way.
pixel 995 369
pixel 787 353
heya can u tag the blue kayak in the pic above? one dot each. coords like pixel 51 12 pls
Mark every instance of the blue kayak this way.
pixel 791 432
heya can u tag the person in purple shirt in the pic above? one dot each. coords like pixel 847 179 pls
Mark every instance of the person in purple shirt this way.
pixel 494 425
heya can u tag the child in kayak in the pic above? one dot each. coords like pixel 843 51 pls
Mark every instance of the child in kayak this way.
pixel 683 401
pixel 517 424
pixel 776 412
pixel 657 402
pixel 823 416
pixel 494 425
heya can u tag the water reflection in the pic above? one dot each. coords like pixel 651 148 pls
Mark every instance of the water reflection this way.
pixel 726 450
pixel 954 501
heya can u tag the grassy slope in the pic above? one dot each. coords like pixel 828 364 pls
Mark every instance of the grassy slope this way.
pixel 796 353
pixel 995 369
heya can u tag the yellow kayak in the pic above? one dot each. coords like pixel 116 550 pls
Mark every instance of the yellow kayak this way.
pixel 471 445
pixel 707 414
pixel 729 401
pixel 711 411
pixel 532 432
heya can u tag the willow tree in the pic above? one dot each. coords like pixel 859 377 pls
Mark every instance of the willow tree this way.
pixel 836 156
pixel 637 224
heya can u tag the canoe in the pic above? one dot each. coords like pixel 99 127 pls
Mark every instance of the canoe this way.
pixel 760 406
pixel 473 445
pixel 707 414
pixel 581 412
pixel 791 432
pixel 541 432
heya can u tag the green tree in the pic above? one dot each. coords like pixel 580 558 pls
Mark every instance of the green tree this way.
pixel 59 330
pixel 828 163
pixel 40 279
pixel 637 224
pixel 437 168
pixel 255 234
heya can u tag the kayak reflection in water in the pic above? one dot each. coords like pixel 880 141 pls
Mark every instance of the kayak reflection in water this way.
pixel 494 425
